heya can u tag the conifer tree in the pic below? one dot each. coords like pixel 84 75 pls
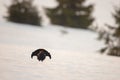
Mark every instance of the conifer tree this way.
pixel 72 13
pixel 112 36
pixel 22 11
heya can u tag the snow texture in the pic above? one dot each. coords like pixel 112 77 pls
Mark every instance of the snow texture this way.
pixel 74 54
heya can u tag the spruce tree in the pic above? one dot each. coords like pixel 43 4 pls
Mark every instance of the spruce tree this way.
pixel 71 13
pixel 22 11
pixel 112 36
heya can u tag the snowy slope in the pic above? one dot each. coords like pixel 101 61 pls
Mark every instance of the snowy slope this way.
pixel 52 37
pixel 74 55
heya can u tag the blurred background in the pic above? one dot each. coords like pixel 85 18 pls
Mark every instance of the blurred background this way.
pixel 102 9
pixel 83 37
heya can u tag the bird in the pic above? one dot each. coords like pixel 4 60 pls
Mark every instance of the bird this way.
pixel 41 54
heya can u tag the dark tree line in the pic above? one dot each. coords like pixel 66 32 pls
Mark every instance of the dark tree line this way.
pixel 70 13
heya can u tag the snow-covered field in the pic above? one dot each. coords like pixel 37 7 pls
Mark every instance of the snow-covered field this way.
pixel 74 55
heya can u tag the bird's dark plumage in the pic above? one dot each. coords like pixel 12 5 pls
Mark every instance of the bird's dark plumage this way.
pixel 41 54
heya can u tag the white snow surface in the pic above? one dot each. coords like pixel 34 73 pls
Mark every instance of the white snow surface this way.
pixel 74 54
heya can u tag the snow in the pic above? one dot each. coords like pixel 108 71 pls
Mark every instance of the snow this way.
pixel 47 37
pixel 74 54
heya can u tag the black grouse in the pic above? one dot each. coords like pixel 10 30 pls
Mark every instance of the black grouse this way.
pixel 41 54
